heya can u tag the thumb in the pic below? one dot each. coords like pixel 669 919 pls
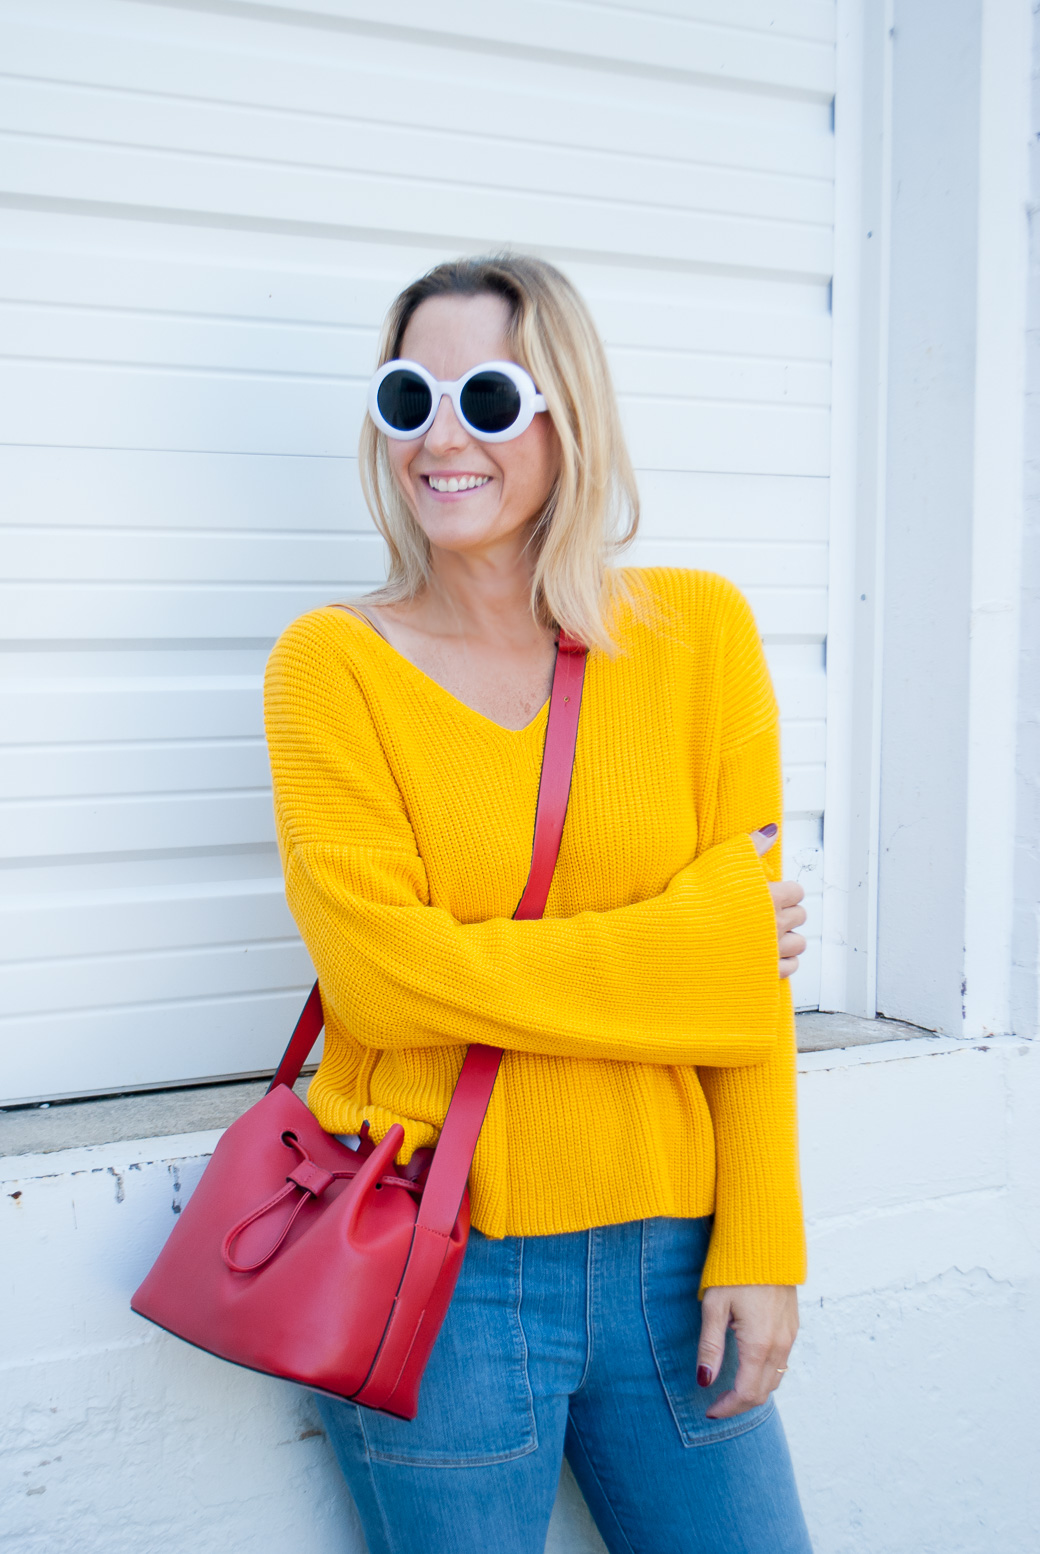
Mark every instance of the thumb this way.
pixel 764 837
pixel 715 1313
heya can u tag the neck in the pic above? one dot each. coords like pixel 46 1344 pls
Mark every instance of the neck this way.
pixel 487 596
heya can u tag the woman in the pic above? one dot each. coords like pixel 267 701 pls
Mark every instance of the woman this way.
pixel 639 1149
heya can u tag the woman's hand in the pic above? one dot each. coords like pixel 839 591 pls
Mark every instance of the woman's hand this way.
pixel 765 1320
pixel 790 914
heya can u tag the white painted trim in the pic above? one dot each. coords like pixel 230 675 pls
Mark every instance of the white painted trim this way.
pixel 103 1157
pixel 857 484
pixel 1003 245
pixel 900 1050
pixel 120 1154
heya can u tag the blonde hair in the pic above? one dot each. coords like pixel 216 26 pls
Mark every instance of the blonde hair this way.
pixel 593 508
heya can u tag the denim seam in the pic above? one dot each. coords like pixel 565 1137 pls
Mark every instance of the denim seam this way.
pixel 736 1428
pixel 588 1311
pixel 701 1438
pixel 453 1462
pixel 606 1498
pixel 643 1257
pixel 374 1482
pixel 483 1459
pixel 525 1352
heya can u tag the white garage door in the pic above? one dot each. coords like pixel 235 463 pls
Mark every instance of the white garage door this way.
pixel 205 212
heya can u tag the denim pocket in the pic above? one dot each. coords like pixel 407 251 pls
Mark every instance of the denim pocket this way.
pixel 475 1403
pixel 673 1254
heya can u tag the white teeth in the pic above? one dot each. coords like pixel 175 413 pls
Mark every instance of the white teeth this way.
pixel 454 483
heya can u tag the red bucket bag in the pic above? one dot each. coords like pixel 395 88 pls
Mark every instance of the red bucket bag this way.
pixel 303 1258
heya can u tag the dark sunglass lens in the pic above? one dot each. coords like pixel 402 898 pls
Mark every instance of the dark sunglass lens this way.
pixel 404 400
pixel 491 402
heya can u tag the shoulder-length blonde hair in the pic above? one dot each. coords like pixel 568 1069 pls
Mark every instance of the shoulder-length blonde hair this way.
pixel 593 509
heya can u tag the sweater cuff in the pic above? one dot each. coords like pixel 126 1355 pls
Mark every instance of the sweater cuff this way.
pixel 781 1260
pixel 741 999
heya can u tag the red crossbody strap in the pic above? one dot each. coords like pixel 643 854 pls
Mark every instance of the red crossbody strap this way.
pixel 453 1156
pixel 561 733
pixel 554 787
pixel 301 1042
pixel 470 1101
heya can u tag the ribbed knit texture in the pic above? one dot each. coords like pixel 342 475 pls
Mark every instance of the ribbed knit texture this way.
pixel 649 1064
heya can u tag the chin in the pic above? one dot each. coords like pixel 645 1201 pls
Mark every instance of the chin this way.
pixel 458 531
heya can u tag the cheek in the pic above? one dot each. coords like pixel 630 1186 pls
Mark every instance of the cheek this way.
pixel 537 463
pixel 400 456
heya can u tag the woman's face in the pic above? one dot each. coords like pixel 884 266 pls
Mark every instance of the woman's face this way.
pixel 449 335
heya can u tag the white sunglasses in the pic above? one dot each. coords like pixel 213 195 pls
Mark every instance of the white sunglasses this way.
pixel 495 402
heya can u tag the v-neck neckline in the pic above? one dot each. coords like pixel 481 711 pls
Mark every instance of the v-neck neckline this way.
pixel 457 701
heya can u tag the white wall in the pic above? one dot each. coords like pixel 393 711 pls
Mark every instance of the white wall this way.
pixel 952 544
pixel 206 210
pixel 910 1404
pixel 1026 987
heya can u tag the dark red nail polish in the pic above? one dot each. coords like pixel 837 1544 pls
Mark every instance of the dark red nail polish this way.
pixel 703 1376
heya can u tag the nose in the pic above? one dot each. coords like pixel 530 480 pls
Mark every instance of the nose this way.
pixel 447 434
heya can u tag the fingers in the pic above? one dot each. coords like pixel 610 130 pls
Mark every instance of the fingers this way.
pixel 765 837
pixel 765 1320
pixel 786 894
pixel 759 1373
pixel 715 1315
pixel 790 914
pixel 791 943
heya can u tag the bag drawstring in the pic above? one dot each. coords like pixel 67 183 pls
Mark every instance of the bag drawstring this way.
pixel 311 1180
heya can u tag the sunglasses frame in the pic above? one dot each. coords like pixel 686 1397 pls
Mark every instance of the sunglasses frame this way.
pixel 531 402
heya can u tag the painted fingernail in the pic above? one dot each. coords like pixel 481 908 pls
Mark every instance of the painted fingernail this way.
pixel 770 830
pixel 703 1376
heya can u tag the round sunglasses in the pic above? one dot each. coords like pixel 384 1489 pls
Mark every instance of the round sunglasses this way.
pixel 494 402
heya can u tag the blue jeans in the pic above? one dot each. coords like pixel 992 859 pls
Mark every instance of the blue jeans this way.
pixel 583 1344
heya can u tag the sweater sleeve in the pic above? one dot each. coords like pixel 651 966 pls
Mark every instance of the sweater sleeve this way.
pixel 400 972
pixel 758 1235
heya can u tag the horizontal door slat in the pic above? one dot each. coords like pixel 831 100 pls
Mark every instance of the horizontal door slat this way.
pixel 628 38
pixel 139 488
pixel 354 143
pixel 69 828
pixel 114 556
pixel 704 505
pixel 128 918
pixel 113 981
pixel 147 707
pixel 749 564
pixel 799 19
pixel 150 181
pixel 803 788
pixel 804 743
pixel 97 770
pixel 730 439
pixel 802 697
pixel 150 1045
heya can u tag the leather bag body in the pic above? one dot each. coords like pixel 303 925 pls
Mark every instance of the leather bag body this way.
pixel 303 1258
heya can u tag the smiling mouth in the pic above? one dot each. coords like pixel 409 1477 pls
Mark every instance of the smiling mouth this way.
pixel 456 482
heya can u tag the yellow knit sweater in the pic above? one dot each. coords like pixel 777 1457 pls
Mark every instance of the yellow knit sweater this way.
pixel 649 1041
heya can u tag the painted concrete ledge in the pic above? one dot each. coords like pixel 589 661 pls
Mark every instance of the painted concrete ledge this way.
pixel 910 1407
pixel 40 1130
